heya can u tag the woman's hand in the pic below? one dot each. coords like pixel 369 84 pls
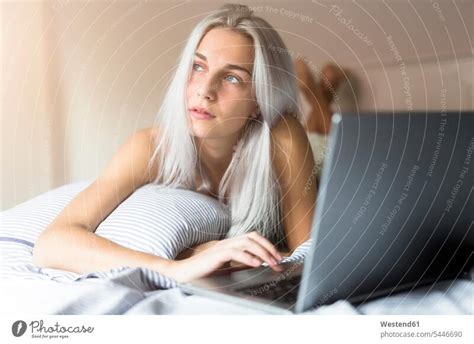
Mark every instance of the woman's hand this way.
pixel 250 249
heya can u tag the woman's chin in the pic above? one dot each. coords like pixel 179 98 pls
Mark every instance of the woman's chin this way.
pixel 199 131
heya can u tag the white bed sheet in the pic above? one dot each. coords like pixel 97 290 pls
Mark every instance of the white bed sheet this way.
pixel 123 294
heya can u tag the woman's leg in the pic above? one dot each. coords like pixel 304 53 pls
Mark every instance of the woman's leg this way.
pixel 319 95
pixel 332 78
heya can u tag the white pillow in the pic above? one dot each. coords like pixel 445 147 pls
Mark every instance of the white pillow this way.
pixel 320 148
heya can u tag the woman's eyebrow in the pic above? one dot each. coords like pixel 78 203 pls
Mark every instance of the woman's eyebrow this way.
pixel 227 66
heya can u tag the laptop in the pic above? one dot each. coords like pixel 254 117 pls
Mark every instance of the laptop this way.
pixel 394 212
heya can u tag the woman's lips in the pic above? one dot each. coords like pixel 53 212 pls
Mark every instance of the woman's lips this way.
pixel 200 113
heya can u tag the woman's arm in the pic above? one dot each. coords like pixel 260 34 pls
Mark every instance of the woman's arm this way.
pixel 294 165
pixel 69 242
pixel 77 249
pixel 192 251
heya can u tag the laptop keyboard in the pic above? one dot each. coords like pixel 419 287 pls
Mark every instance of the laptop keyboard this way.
pixel 283 291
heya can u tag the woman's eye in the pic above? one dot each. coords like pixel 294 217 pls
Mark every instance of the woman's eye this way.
pixel 232 79
pixel 197 67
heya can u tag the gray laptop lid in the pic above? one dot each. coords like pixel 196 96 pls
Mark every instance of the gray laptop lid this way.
pixel 395 206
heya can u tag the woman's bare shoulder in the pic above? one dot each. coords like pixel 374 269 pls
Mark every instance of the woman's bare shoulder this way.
pixel 146 140
pixel 152 132
pixel 288 130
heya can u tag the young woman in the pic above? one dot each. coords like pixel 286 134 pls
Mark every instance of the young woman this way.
pixel 228 128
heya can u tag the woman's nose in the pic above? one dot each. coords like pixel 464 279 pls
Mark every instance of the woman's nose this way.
pixel 208 89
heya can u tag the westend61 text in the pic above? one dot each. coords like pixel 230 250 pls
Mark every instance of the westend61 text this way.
pixel 400 324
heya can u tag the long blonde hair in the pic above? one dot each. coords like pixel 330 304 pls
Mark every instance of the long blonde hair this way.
pixel 254 197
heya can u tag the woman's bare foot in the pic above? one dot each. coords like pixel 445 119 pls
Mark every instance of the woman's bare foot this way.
pixel 320 113
pixel 332 77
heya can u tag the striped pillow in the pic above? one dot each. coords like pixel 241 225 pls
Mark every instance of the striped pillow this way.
pixel 21 225
pixel 153 219
pixel 165 221
pixel 156 220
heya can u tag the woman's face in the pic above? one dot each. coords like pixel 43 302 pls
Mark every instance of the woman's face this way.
pixel 220 84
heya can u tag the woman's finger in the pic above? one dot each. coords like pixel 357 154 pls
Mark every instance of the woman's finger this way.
pixel 265 243
pixel 258 250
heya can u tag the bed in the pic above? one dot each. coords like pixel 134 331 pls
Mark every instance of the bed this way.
pixel 27 289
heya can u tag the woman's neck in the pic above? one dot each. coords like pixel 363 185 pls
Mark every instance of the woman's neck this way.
pixel 216 154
